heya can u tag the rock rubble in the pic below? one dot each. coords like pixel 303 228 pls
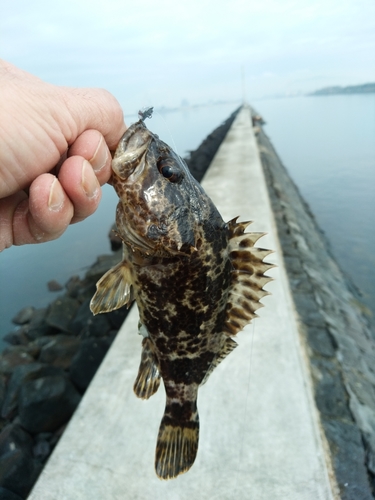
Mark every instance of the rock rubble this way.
pixel 44 372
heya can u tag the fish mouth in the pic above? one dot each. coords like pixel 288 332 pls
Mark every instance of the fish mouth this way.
pixel 131 163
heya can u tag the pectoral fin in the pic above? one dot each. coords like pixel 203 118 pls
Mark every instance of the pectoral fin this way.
pixel 113 290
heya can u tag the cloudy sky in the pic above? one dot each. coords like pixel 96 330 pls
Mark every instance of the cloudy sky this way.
pixel 164 51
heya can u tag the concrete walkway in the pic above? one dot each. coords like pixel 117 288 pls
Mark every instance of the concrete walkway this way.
pixel 259 438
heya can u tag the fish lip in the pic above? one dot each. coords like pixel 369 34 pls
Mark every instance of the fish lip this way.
pixel 132 168
pixel 125 160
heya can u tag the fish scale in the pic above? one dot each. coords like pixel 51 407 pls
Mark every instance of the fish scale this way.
pixel 197 282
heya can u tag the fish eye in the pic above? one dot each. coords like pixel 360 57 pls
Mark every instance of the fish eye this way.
pixel 170 172
pixel 167 172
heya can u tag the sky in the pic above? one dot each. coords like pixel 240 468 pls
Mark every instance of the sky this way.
pixel 167 52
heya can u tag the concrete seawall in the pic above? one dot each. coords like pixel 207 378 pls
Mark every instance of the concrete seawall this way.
pixel 260 431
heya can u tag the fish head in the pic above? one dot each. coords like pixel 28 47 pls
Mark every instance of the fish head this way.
pixel 162 207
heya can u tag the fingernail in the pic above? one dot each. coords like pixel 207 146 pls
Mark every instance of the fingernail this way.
pixel 90 183
pixel 56 196
pixel 100 157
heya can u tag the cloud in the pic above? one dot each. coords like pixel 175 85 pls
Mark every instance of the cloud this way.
pixel 168 50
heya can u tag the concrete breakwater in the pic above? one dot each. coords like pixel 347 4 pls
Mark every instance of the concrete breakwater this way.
pixel 52 358
pixel 259 436
pixel 340 342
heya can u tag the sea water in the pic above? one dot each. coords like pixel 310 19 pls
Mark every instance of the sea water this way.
pixel 327 143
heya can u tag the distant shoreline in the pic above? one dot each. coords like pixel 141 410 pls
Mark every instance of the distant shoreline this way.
pixel 366 88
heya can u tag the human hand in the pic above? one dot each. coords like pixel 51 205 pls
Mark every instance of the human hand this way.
pixel 55 147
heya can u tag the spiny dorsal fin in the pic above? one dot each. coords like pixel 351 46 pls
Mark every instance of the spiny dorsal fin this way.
pixel 248 277
pixel 113 290
pixel 148 378
pixel 227 348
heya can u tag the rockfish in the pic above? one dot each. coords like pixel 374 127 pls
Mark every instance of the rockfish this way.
pixel 197 282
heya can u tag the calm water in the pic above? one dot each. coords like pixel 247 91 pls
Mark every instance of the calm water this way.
pixel 328 146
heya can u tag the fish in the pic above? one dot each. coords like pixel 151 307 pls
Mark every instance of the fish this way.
pixel 197 282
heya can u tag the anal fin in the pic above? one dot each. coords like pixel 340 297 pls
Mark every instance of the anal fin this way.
pixel 113 290
pixel 148 378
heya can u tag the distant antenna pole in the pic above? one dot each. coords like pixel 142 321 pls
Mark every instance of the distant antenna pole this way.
pixel 243 85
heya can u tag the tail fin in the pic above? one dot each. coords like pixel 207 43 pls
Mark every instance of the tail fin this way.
pixel 177 445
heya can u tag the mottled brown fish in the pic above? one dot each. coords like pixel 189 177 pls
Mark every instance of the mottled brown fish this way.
pixel 197 282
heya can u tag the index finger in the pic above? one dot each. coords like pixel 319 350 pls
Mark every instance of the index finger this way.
pixel 96 109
